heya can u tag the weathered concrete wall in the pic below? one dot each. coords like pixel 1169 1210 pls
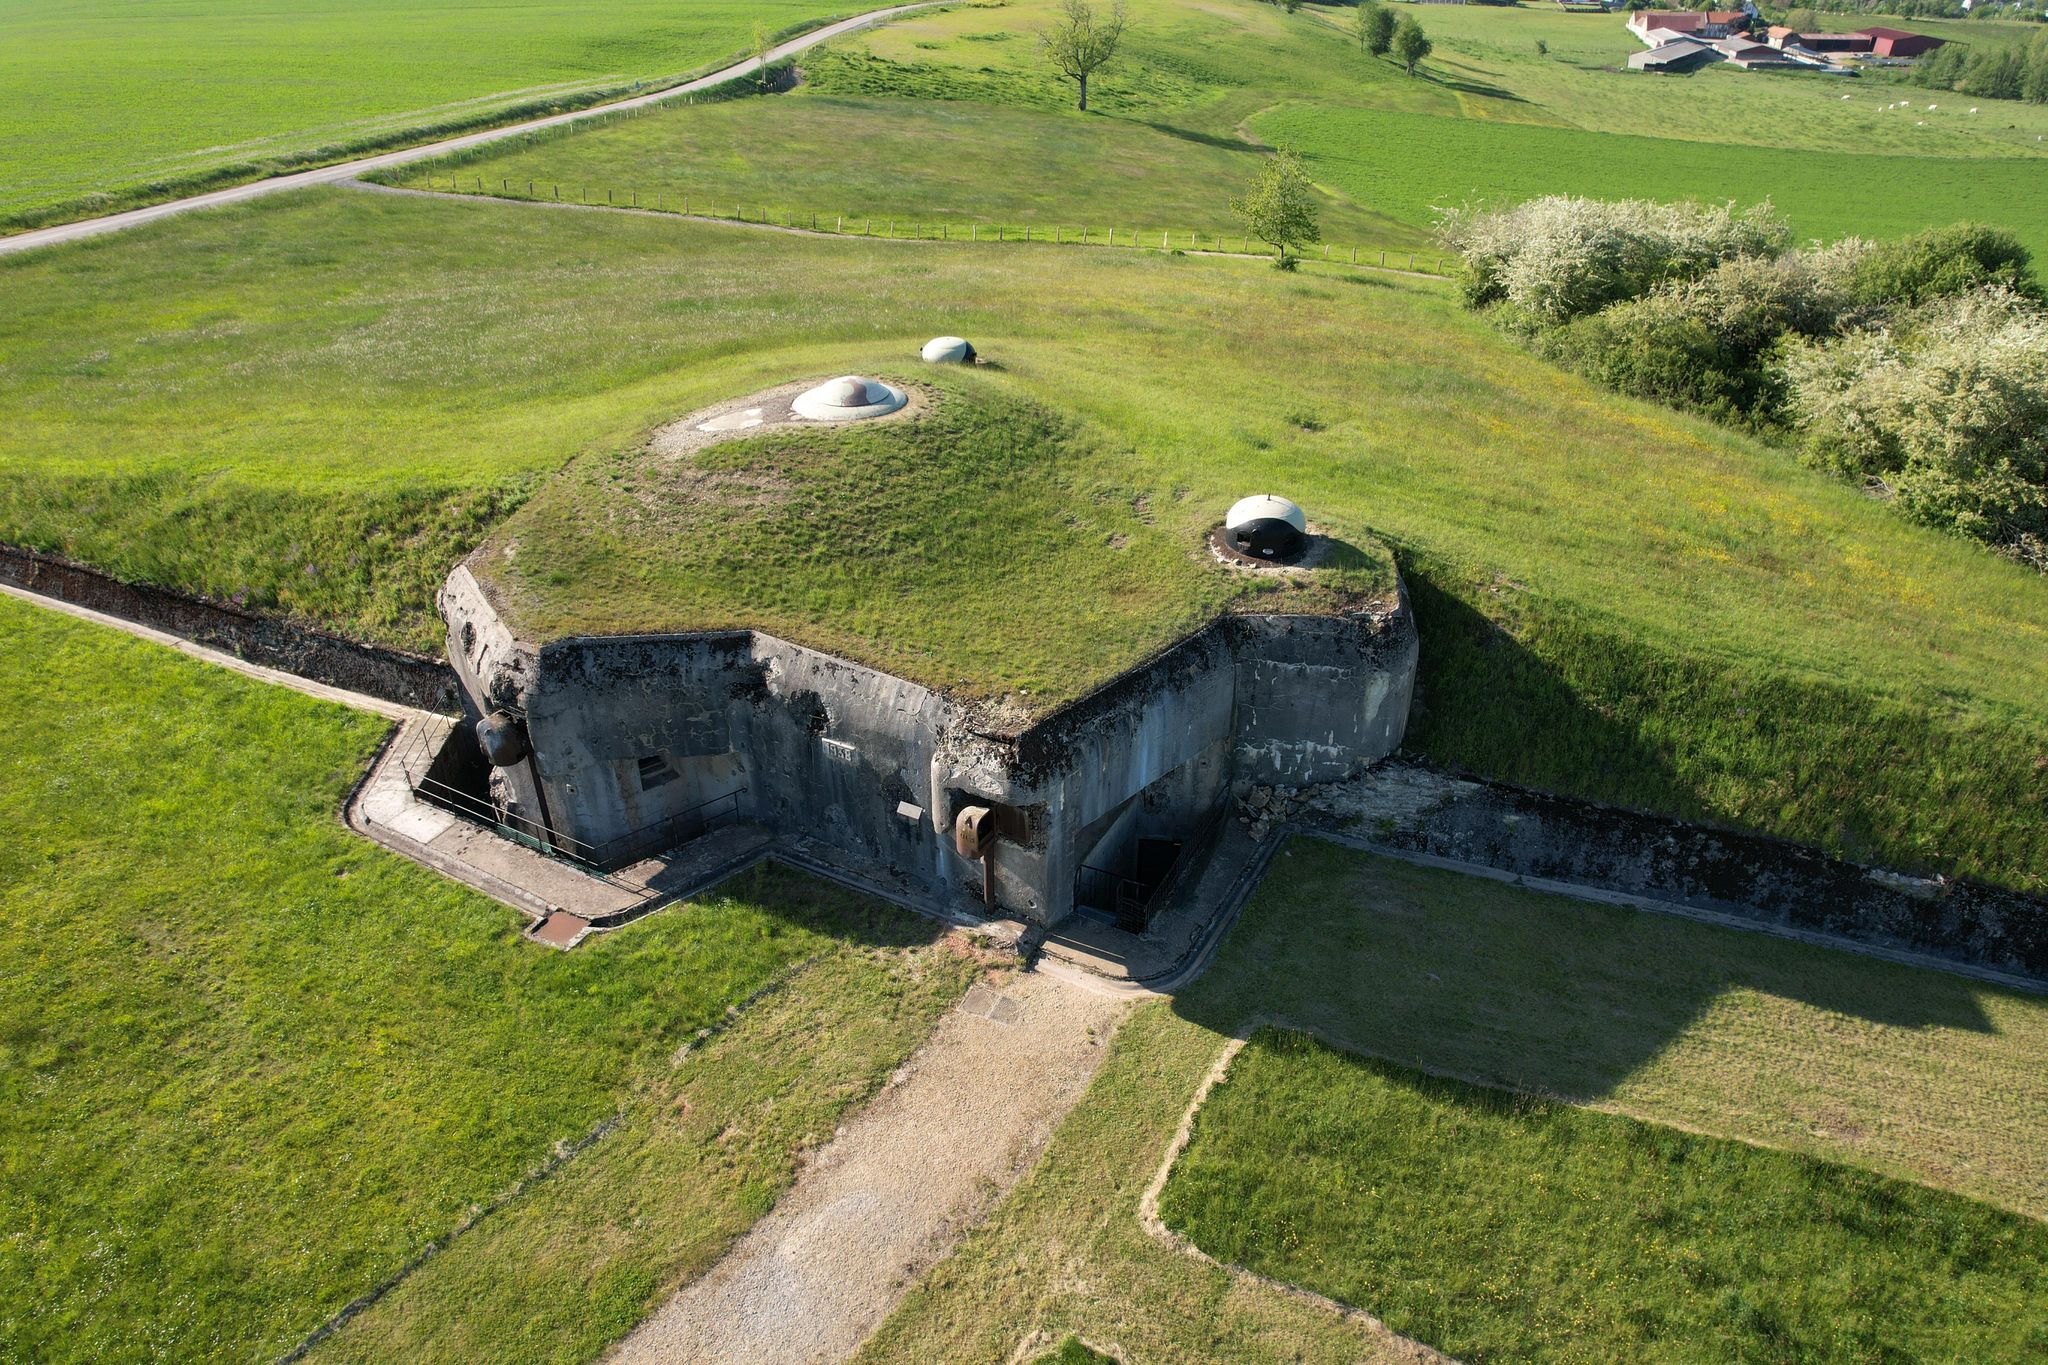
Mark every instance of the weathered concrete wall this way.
pixel 390 674
pixel 875 768
pixel 1745 876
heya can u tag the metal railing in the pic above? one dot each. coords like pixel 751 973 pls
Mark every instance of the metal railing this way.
pixel 1136 903
pixel 417 761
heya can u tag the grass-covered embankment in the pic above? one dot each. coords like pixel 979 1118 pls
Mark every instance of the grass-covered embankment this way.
pixel 254 1063
pixel 106 108
pixel 883 164
pixel 1850 1062
pixel 231 403
pixel 1494 1226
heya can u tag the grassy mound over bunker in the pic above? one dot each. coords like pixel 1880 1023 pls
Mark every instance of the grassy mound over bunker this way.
pixel 1007 532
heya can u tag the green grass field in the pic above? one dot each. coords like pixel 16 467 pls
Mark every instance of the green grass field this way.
pixel 1486 67
pixel 1497 1227
pixel 108 104
pixel 232 403
pixel 1911 1075
pixel 252 1062
pixel 1491 119
pixel 1036 168
pixel 1410 165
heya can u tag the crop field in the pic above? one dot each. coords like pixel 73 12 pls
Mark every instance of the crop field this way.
pixel 245 1088
pixel 1797 1067
pixel 108 104
pixel 231 403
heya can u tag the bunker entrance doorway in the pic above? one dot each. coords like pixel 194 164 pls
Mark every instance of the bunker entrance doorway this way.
pixel 1127 897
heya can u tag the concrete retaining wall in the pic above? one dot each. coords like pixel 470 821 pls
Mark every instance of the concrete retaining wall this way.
pixel 1751 877
pixel 391 674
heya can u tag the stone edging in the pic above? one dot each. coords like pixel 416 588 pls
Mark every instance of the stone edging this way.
pixel 1155 1226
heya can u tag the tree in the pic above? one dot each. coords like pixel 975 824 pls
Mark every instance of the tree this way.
pixel 764 43
pixel 1079 44
pixel 1280 207
pixel 1411 44
pixel 1375 28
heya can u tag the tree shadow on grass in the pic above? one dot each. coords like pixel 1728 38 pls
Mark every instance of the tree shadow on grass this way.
pixel 1466 85
pixel 1451 972
pixel 1466 976
pixel 1228 144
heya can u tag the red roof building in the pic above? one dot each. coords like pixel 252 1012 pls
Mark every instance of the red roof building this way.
pixel 1659 26
pixel 1896 42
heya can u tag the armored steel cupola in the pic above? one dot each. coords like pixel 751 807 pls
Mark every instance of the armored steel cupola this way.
pixel 1267 527
pixel 849 398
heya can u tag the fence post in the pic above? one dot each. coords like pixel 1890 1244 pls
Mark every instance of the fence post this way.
pixel 1354 255
pixel 1411 260
pixel 1383 260
pixel 558 193
pixel 529 189
pixel 839 223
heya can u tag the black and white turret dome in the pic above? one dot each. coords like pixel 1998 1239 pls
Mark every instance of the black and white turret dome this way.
pixel 1267 527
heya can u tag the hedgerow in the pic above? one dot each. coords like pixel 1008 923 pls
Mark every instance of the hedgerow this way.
pixel 1919 366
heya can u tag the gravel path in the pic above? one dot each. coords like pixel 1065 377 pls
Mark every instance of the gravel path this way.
pixel 897 1186
pixel 349 170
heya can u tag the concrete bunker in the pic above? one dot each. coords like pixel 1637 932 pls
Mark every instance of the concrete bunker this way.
pixel 604 748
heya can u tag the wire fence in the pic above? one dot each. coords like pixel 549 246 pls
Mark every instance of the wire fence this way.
pixel 909 229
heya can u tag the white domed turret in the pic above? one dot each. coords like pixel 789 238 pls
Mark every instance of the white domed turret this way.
pixel 1267 527
pixel 948 351
pixel 849 398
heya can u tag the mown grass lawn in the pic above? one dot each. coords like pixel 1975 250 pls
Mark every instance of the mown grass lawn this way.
pixel 1493 1226
pixel 318 404
pixel 1490 118
pixel 1828 1057
pixel 107 105
pixel 251 1063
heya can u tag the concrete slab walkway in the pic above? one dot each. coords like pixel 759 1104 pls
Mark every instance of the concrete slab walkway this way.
pixel 897 1187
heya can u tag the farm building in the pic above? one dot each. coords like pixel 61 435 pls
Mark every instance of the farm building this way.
pixel 1678 55
pixel 1897 43
pixel 1655 28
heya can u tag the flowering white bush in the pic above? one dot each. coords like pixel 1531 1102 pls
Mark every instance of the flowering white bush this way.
pixel 1947 407
pixel 1559 257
